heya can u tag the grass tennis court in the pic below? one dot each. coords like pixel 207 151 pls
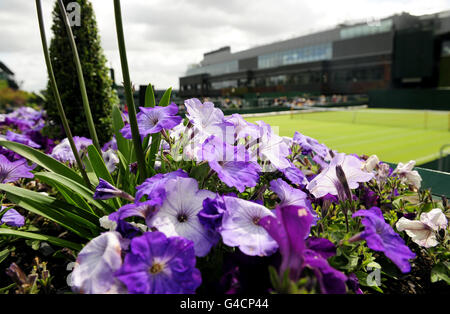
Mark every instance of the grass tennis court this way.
pixel 393 135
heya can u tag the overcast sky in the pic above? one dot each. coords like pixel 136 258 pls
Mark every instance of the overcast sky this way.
pixel 163 37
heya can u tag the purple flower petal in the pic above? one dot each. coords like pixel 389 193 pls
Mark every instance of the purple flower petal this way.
pixel 160 265
pixel 13 171
pixel 12 218
pixel 96 264
pixel 241 228
pixel 381 237
pixel 178 215
pixel 21 138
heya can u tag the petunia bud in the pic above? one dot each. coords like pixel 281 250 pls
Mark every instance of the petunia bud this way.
pixel 105 190
pixel 343 188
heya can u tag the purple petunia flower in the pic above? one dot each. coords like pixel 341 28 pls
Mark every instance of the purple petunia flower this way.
pixel 96 264
pixel 381 237
pixel 328 182
pixel 271 147
pixel 145 210
pixel 160 265
pixel 46 143
pixel 154 119
pixel 25 118
pixel 21 138
pixel 112 144
pixel 9 154
pixel 242 128
pixel 241 228
pixel 154 187
pixel 178 214
pixel 289 228
pixel 13 171
pixel 211 214
pixel 231 163
pixel 106 190
pixel 291 196
pixel 309 145
pixel 63 151
pixel 369 198
pixel 353 283
pixel 12 218
pixel 204 116
pixel 295 175
pixel 331 281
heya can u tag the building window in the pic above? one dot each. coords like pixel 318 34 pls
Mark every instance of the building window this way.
pixel 294 56
pixel 366 29
pixel 224 84
pixel 445 52
pixel 214 69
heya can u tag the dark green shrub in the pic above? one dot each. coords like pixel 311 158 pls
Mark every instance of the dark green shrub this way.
pixel 96 75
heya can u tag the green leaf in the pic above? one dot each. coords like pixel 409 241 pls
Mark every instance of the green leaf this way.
pixel 72 218
pixel 274 278
pixel 165 99
pixel 41 237
pixel 149 102
pixel 81 190
pixel 123 145
pixel 90 172
pixel 72 198
pixel 199 172
pixel 98 164
pixel 149 96
pixel 151 157
pixel 43 160
pixel 441 272
pixel 4 254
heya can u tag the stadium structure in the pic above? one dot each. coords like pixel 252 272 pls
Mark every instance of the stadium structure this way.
pixel 401 51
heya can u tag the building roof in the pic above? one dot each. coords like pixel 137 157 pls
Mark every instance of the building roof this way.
pixel 224 54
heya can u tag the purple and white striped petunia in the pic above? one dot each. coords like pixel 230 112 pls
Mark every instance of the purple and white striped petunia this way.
pixel 178 215
pixel 63 151
pixel 309 145
pixel 327 181
pixel 154 187
pixel 291 196
pixel 241 228
pixel 154 119
pixel 96 264
pixel 231 163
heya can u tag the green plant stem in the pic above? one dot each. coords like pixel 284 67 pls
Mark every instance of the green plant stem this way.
pixel 57 97
pixel 84 97
pixel 129 93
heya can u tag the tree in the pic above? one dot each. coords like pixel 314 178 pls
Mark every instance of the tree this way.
pixel 96 75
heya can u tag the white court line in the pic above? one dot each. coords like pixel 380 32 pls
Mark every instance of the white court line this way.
pixel 372 140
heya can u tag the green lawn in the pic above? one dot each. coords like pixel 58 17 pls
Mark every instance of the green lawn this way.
pixel 393 135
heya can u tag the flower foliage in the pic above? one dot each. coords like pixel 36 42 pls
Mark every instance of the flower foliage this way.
pixel 224 195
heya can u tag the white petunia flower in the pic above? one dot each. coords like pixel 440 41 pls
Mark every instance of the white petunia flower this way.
pixel 371 163
pixel 423 232
pixel 111 159
pixel 96 264
pixel 108 224
pixel 178 214
pixel 407 175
